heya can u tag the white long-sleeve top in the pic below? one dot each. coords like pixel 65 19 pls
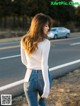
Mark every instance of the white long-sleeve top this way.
pixel 38 61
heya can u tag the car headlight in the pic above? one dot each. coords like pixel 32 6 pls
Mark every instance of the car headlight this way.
pixel 68 31
pixel 50 34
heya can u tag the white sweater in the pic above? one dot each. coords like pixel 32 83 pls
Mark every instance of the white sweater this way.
pixel 39 61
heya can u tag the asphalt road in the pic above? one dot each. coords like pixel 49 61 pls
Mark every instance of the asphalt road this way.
pixel 11 69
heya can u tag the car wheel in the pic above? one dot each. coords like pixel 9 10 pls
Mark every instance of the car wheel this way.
pixel 55 36
pixel 67 35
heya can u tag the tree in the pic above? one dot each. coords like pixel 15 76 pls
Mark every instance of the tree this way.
pixel 77 15
pixel 36 6
pixel 63 13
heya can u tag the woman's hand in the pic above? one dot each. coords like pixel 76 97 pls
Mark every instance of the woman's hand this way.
pixel 46 92
pixel 42 97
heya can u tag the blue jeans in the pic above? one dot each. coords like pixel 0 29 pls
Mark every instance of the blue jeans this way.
pixel 35 86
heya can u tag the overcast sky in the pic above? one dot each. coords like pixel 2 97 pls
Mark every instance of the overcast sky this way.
pixel 76 1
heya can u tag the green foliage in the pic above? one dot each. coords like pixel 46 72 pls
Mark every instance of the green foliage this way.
pixel 29 8
pixel 77 13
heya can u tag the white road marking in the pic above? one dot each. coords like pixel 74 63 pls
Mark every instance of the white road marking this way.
pixel 64 65
pixel 8 57
pixel 9 47
pixel 64 39
pixel 11 85
pixel 73 44
pixel 51 69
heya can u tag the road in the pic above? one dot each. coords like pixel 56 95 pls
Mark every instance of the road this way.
pixel 11 69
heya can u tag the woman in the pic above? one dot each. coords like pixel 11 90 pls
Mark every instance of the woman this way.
pixel 35 49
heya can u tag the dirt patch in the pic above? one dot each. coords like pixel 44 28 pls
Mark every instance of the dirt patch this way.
pixel 64 92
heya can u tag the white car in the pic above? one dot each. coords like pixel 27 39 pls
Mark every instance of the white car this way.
pixel 59 32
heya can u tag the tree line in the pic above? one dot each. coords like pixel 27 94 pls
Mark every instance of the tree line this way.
pixel 18 13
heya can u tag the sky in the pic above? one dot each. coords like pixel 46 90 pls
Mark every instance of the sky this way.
pixel 76 1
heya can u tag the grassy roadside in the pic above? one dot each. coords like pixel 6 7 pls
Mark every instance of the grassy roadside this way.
pixel 10 39
pixel 18 38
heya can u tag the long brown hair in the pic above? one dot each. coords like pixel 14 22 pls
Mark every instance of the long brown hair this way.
pixel 35 33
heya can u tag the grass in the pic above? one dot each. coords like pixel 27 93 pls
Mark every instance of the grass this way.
pixel 10 39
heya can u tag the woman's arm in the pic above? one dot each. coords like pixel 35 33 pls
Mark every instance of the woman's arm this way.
pixel 23 56
pixel 45 70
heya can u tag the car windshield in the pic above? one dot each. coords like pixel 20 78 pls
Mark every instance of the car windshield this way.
pixel 53 29
pixel 60 28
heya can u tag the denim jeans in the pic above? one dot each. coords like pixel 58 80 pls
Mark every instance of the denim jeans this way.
pixel 35 86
